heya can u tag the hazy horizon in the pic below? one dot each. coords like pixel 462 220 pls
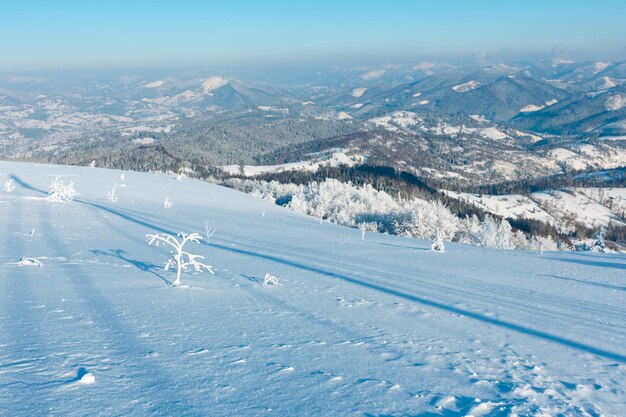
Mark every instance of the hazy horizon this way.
pixel 74 36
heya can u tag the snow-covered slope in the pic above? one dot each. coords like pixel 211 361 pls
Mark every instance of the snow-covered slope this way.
pixel 381 326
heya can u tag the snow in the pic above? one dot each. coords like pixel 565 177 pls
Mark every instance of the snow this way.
pixel 213 83
pixel 423 102
pixel 358 92
pixel 531 108
pixel 600 66
pixel 175 100
pixel 591 207
pixel 493 133
pixel 342 115
pixel 465 87
pixel 144 141
pixel 397 121
pixel 373 74
pixel 417 94
pixel 616 102
pixel 605 83
pixel 154 84
pixel 479 118
pixel 381 326
pixel 336 158
pixel 357 106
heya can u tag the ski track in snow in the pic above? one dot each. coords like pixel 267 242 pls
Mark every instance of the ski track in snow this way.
pixel 373 327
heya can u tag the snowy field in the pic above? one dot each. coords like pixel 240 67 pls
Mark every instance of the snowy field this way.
pixel 374 327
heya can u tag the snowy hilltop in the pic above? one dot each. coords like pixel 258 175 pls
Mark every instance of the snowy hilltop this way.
pixel 275 312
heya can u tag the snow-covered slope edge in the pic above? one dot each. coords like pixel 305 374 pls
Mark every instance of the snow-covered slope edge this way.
pixel 375 326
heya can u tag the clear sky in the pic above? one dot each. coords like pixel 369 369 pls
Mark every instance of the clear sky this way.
pixel 57 34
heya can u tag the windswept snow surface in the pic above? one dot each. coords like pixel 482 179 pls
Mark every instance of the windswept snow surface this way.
pixel 381 326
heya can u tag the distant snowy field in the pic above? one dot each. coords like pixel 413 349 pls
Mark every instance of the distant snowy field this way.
pixel 381 326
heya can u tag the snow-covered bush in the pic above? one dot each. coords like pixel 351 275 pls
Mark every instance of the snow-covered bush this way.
pixel 30 262
pixel 438 245
pixel 180 259
pixel 167 203
pixel 9 186
pixel 59 191
pixel 271 280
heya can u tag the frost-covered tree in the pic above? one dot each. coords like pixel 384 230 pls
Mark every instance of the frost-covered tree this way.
pixel 598 240
pixel 59 191
pixel 167 203
pixel 438 244
pixel 92 164
pixel 180 259
pixel 9 186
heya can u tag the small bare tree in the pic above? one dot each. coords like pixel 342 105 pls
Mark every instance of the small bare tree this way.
pixel 180 259
pixel 209 231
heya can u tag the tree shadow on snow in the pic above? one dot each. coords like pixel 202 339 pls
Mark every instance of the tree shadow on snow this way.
pixel 590 262
pixel 372 285
pixel 142 266
pixel 595 284
pixel 253 279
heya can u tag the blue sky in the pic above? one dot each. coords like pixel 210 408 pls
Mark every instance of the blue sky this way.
pixel 44 35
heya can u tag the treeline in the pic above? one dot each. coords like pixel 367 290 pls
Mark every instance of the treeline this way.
pixel 407 186
pixel 605 178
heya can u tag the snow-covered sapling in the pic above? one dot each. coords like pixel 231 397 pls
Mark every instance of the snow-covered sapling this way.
pixel 363 230
pixel 9 186
pixel 112 195
pixel 167 203
pixel 367 227
pixel 438 244
pixel 122 177
pixel 180 259
pixel 209 231
pixel 30 262
pixel 59 191
pixel 271 280
pixel 92 164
